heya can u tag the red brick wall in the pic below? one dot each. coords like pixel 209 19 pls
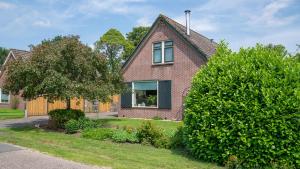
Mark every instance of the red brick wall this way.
pixel 186 63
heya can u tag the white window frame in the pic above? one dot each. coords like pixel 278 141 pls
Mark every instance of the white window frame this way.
pixel 162 53
pixel 1 97
pixel 133 96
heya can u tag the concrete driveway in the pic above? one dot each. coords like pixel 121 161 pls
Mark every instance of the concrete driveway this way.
pixel 40 120
pixel 15 157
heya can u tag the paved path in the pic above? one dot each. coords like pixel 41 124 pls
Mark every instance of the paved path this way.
pixel 15 157
pixel 39 120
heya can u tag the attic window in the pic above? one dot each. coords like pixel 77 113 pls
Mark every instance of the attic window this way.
pixel 163 52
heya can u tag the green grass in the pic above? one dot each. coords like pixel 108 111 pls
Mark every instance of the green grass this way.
pixel 135 123
pixel 102 153
pixel 11 114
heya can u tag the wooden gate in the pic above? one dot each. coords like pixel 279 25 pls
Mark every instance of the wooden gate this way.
pixel 37 107
pixel 109 106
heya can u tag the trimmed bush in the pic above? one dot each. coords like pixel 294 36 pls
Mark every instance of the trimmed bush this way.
pixel 246 105
pixel 60 116
pixel 98 133
pixel 122 136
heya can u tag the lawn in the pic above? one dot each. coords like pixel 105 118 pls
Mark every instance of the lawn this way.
pixel 11 114
pixel 121 122
pixel 102 153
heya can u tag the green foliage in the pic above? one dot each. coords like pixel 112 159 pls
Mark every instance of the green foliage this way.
pixel 147 133
pixel 3 54
pixel 137 34
pixel 245 104
pixel 98 133
pixel 72 126
pixel 177 140
pixel 157 118
pixel 122 136
pixel 60 116
pixel 115 47
pixel 61 68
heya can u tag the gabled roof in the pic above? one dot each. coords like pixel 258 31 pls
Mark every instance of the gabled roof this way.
pixel 16 54
pixel 205 46
pixel 20 53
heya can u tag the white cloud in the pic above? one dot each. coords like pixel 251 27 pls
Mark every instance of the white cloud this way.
pixel 42 23
pixel 112 6
pixel 199 25
pixel 268 17
pixel 5 5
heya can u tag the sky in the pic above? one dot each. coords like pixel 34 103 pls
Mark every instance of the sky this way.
pixel 241 23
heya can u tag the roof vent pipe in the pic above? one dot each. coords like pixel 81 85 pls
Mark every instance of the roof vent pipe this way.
pixel 187 21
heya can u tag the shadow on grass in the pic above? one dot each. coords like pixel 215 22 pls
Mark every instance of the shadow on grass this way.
pixel 106 122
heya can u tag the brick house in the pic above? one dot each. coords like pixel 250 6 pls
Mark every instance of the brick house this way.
pixel 159 72
pixel 7 100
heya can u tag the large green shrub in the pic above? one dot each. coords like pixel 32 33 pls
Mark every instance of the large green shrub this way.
pixel 246 105
pixel 60 116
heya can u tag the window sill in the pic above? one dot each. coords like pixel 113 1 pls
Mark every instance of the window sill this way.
pixel 144 107
pixel 4 103
pixel 161 64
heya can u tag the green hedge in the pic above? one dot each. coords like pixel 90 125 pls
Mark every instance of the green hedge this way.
pixel 60 116
pixel 245 106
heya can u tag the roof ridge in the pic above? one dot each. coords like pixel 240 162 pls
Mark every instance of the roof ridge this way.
pixel 19 50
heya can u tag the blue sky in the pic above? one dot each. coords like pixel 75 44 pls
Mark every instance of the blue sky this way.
pixel 239 22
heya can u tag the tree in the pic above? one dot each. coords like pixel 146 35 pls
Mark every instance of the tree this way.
pixel 60 68
pixel 115 47
pixel 137 34
pixel 243 108
pixel 3 54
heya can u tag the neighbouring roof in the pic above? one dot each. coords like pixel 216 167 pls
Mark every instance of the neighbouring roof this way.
pixel 20 53
pixel 202 44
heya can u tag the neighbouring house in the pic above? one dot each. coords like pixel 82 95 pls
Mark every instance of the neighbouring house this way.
pixel 40 105
pixel 160 71
pixel 7 100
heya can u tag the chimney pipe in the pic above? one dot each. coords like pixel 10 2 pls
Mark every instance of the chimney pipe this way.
pixel 187 21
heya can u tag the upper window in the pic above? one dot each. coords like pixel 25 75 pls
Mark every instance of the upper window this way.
pixel 144 94
pixel 157 53
pixel 4 96
pixel 163 52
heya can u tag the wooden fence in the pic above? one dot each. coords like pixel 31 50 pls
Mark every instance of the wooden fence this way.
pixel 41 106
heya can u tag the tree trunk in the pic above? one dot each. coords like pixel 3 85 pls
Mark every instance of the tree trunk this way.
pixel 68 100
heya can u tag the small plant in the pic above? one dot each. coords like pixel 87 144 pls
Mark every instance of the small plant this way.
pixel 148 133
pixel 15 103
pixel 122 136
pixel 157 118
pixel 72 126
pixel 98 133
pixel 162 142
pixel 151 100
pixel 60 116
pixel 177 140
pixel 85 123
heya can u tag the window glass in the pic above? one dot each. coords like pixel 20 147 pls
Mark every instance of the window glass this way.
pixel 169 55
pixel 4 96
pixel 145 94
pixel 157 54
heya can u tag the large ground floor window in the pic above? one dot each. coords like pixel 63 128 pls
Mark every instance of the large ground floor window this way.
pixel 145 94
pixel 4 96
